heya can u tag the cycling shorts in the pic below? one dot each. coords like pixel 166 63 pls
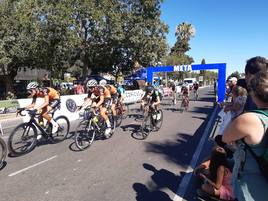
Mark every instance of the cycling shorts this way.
pixel 54 103
pixel 107 102
pixel 115 98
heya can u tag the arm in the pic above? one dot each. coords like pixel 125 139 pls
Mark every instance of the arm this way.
pixel 46 102
pixel 233 107
pixel 220 175
pixel 247 126
pixel 86 103
pixel 32 104
pixel 101 101
pixel 157 102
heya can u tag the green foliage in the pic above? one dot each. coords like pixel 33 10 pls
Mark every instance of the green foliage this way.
pixel 60 36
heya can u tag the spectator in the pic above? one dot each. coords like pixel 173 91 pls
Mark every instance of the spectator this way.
pixel 215 86
pixel 248 182
pixel 253 66
pixel 236 107
pixel 217 179
pixel 231 83
pixel 239 97
pixel 79 89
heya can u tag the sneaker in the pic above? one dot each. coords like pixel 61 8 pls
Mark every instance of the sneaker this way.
pixel 55 128
pixel 39 137
pixel 158 116
pixel 107 132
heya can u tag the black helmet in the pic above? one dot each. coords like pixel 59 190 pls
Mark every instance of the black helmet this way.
pixel 149 89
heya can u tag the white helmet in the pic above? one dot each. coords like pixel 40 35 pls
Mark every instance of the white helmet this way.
pixel 103 83
pixel 32 85
pixel 92 83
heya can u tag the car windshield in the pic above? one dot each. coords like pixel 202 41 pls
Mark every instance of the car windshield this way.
pixel 188 81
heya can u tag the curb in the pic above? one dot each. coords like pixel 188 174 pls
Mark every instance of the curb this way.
pixel 186 179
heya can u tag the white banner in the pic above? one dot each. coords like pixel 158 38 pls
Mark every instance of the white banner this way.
pixel 69 103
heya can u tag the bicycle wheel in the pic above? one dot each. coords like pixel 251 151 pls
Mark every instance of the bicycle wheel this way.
pixel 63 131
pixel 23 139
pixel 3 151
pixel 119 116
pixel 146 126
pixel 125 111
pixel 182 105
pixel 159 120
pixel 84 135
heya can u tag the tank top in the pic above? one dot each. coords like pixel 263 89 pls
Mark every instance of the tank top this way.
pixel 250 185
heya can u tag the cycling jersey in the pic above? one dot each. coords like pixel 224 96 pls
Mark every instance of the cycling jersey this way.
pixel 112 90
pixel 120 91
pixel 100 91
pixel 153 97
pixel 195 86
pixel 184 91
pixel 48 91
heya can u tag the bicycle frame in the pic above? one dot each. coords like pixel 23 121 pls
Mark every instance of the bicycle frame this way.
pixel 34 122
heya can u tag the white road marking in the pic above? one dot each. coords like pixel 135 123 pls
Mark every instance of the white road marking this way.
pixel 186 179
pixel 34 165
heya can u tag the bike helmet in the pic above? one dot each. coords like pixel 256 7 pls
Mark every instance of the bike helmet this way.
pixel 149 89
pixel 32 85
pixel 92 83
pixel 103 83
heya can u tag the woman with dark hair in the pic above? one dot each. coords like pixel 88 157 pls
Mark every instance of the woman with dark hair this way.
pixel 248 182
pixel 218 179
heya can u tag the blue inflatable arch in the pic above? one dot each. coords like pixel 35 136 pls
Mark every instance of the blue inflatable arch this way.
pixel 221 67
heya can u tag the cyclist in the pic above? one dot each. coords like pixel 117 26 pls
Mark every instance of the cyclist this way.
pixel 185 95
pixel 195 87
pixel 52 101
pixel 173 88
pixel 152 97
pixel 113 93
pixel 121 93
pixel 101 98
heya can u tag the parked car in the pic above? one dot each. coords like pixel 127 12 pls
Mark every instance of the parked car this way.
pixel 190 82
pixel 179 86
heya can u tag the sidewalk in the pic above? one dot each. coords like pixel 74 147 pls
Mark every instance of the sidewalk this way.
pixel 7 116
pixel 8 122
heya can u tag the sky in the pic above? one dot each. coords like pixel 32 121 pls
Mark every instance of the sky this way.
pixel 227 31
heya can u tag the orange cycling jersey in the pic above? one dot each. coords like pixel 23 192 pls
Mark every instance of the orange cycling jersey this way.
pixel 112 90
pixel 50 92
pixel 100 91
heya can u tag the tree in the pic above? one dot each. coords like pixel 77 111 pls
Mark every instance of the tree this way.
pixel 104 35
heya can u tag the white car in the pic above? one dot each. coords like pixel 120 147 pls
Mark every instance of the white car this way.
pixel 179 86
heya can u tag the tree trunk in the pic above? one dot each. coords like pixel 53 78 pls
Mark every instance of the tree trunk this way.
pixel 8 83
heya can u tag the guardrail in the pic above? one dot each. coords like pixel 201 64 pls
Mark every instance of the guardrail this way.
pixel 69 103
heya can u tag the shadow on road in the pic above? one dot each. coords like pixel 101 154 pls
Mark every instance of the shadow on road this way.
pixel 179 152
pixel 144 194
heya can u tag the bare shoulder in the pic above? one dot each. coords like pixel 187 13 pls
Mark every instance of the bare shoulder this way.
pixel 248 119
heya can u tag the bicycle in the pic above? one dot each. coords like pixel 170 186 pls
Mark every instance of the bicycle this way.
pixel 195 94
pixel 152 120
pixel 121 112
pixel 23 138
pixel 184 103
pixel 3 151
pixel 92 127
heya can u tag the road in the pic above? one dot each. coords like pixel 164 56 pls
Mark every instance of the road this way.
pixel 118 169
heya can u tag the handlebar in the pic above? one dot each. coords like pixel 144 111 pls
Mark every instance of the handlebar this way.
pixel 30 112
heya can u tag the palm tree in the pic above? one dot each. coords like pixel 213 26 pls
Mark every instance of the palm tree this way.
pixel 185 31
